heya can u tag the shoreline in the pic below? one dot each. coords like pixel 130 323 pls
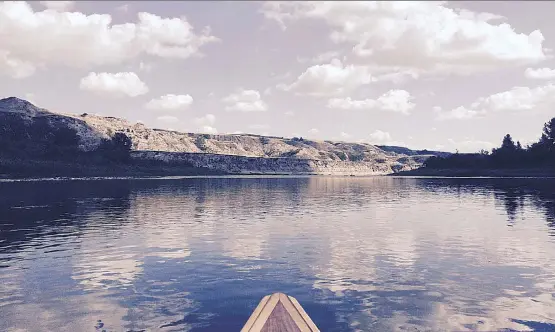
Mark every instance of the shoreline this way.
pixel 20 169
pixel 461 172
pixel 29 169
pixel 169 175
pixel 47 169
pixel 110 175
pixel 172 175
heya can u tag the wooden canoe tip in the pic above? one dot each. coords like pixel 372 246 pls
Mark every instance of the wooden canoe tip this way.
pixel 279 313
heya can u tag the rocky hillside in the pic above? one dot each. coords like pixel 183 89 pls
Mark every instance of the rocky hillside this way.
pixel 409 152
pixel 91 129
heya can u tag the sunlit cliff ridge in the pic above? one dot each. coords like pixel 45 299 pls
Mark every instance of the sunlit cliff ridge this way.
pixel 237 154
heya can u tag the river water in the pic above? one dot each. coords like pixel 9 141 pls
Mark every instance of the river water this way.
pixel 198 254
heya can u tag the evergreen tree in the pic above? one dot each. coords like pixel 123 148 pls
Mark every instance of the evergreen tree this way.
pixel 508 143
pixel 549 130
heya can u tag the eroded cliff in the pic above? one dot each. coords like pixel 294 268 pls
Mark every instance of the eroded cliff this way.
pixel 231 153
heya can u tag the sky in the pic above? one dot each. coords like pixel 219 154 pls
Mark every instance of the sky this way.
pixel 437 75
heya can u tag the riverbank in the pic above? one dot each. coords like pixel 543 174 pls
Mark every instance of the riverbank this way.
pixel 195 165
pixel 19 169
pixel 461 172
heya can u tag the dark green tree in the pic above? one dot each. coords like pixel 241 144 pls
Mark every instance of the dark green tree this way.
pixel 122 142
pixel 544 149
pixel 510 155
pixel 549 130
pixel 116 149
pixel 508 144
pixel 547 140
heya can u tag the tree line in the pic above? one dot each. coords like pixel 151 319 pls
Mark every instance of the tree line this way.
pixel 509 155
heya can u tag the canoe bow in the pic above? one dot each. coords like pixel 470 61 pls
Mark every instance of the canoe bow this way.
pixel 279 313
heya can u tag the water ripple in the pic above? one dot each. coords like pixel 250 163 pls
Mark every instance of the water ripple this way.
pixel 360 254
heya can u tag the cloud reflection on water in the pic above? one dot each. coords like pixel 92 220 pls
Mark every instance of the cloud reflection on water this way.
pixel 380 253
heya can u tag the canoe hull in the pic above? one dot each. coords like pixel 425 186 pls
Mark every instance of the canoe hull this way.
pixel 279 313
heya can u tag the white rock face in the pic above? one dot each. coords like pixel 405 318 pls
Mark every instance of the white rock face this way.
pixel 256 165
pixel 325 156
pixel 240 145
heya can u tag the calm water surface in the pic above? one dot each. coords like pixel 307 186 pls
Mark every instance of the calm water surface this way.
pixel 360 254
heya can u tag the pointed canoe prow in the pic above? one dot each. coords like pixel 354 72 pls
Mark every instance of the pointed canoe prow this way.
pixel 279 313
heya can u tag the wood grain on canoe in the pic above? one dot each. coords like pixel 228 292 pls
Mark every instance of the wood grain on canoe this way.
pixel 279 313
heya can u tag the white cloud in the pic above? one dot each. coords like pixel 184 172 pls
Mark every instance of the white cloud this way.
pixel 167 119
pixel 38 39
pixel 289 113
pixel 170 102
pixel 380 136
pixel 245 101
pixel 437 38
pixel 205 124
pixel 58 5
pixel 393 100
pixel 459 113
pixel 313 131
pixel 540 73
pixel 118 84
pixel 519 99
pixel 331 79
pixel 541 98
